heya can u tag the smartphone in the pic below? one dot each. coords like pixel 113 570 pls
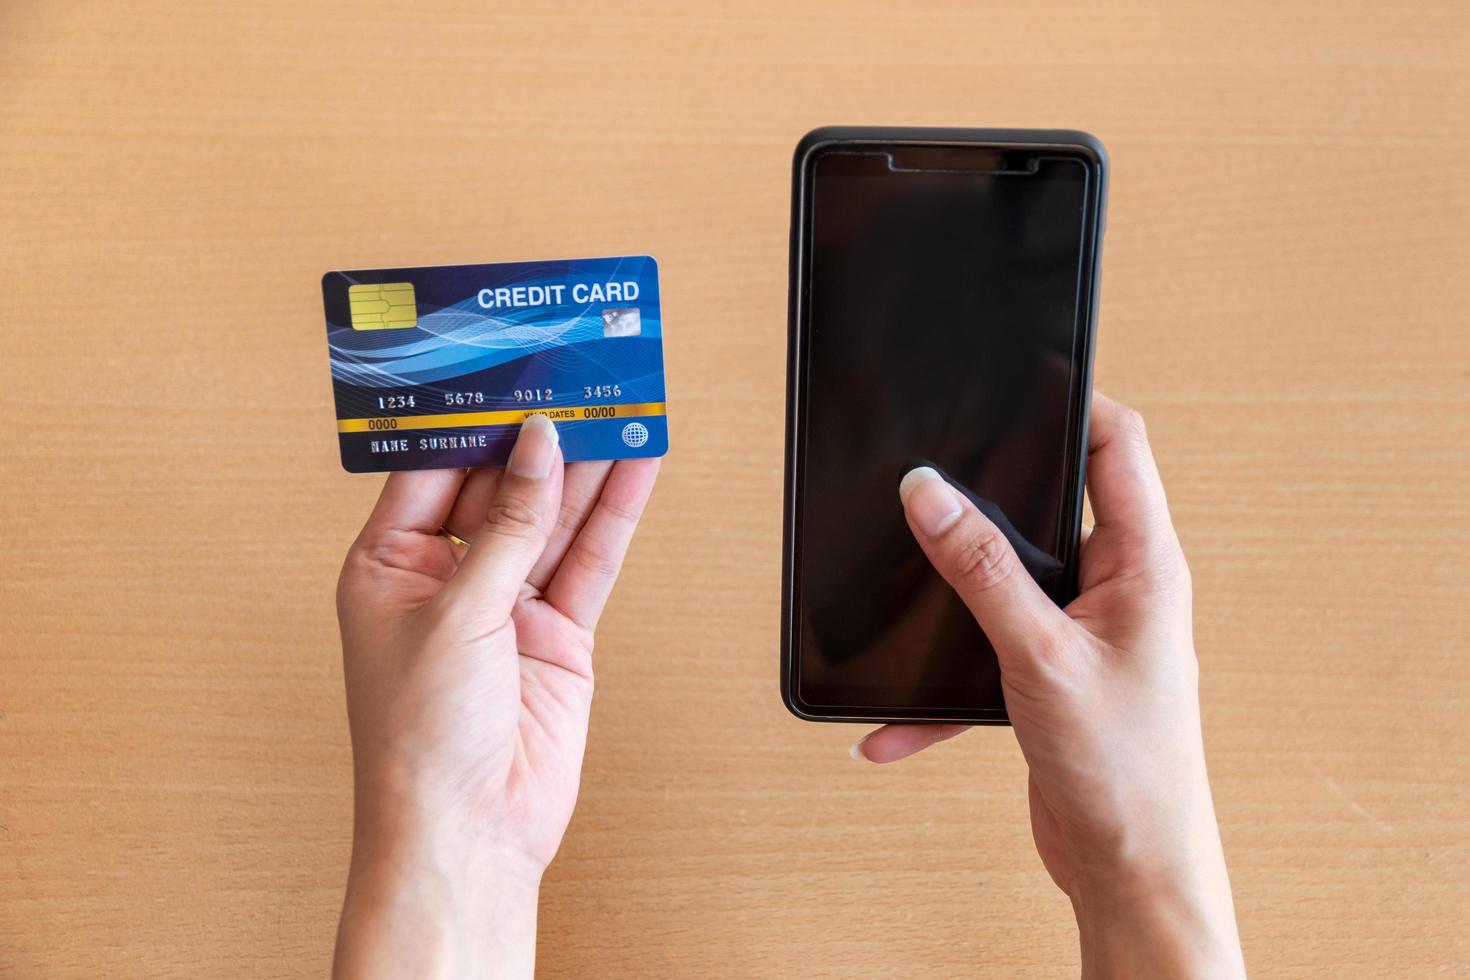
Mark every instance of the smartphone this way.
pixel 943 308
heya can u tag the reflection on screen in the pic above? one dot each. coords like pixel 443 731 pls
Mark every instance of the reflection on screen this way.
pixel 941 329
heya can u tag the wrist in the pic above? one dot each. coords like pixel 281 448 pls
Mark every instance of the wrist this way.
pixel 1161 920
pixel 401 805
pixel 426 881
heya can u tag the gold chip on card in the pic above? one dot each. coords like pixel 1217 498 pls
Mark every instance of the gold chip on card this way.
pixel 383 306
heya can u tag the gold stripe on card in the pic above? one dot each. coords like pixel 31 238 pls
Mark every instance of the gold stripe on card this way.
pixel 513 416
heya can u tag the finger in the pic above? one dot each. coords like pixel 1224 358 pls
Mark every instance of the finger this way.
pixel 585 577
pixel 1086 533
pixel 473 503
pixel 415 500
pixel 581 488
pixel 979 563
pixel 893 742
pixel 1123 482
pixel 515 528
pixel 581 484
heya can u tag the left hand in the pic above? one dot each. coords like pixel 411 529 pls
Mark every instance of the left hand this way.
pixel 469 681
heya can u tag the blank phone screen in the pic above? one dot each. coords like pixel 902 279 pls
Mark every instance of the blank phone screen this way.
pixel 943 327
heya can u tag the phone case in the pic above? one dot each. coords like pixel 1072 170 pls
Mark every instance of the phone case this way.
pixel 1085 146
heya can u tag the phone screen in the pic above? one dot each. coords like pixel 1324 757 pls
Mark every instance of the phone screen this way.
pixel 944 325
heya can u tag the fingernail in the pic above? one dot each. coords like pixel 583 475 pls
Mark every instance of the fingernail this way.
pixel 931 502
pixel 535 448
pixel 857 750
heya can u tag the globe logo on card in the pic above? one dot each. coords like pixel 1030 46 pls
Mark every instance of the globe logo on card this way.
pixel 635 434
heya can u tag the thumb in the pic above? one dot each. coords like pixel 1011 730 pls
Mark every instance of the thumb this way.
pixel 981 566
pixel 516 528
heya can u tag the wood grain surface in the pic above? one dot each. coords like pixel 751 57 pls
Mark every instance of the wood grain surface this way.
pixel 1284 296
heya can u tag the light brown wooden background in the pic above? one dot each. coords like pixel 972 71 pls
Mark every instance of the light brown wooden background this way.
pixel 1284 296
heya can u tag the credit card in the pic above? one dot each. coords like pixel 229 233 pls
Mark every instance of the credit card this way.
pixel 438 367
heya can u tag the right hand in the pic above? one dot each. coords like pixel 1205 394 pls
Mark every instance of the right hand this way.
pixel 1104 700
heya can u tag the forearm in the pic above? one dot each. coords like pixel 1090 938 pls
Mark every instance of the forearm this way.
pixel 420 904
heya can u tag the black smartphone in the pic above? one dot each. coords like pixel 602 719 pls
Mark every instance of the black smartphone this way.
pixel 943 308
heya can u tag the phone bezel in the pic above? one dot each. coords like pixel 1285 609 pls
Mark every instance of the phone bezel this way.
pixel 1084 147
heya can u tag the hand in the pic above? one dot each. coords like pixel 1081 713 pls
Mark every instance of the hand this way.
pixel 469 680
pixel 1104 700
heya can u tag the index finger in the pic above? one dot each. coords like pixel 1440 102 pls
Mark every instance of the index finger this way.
pixel 893 742
pixel 417 501
pixel 1123 481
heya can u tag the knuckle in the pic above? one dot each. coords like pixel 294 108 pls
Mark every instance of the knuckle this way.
pixel 354 566
pixel 370 555
pixel 1180 570
pixel 514 517
pixel 595 560
pixel 984 560
pixel 1049 648
pixel 372 560
pixel 576 504
pixel 1134 425
pixel 621 512
pixel 379 552
pixel 1163 562
pixel 1049 665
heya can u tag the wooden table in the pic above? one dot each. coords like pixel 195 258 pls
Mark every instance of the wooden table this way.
pixel 1284 296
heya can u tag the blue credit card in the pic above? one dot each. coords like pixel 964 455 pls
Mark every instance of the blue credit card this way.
pixel 437 367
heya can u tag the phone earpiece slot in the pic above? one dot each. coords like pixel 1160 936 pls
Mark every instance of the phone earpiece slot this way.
pixel 961 159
